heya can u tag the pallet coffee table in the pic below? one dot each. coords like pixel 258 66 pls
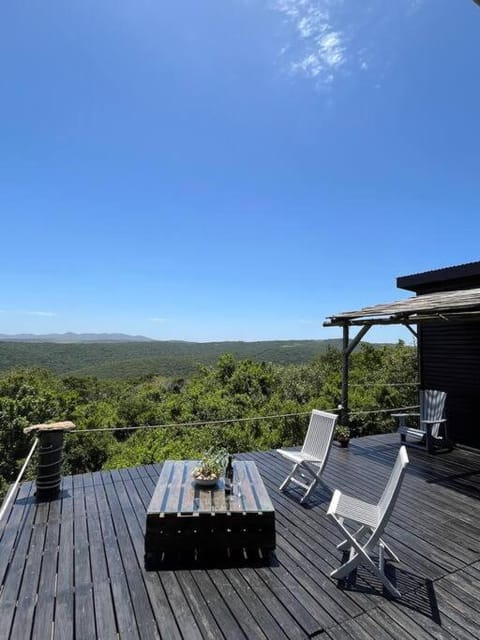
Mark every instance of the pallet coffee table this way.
pixel 184 517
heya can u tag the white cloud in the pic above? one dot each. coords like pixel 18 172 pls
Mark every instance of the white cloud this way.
pixel 330 39
pixel 320 49
pixel 332 49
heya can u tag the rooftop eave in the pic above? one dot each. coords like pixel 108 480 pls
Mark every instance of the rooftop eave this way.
pixel 403 318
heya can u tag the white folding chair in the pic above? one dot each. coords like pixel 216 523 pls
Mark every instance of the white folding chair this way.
pixel 432 428
pixel 310 461
pixel 372 519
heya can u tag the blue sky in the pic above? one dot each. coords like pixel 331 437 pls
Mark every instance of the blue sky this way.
pixel 231 169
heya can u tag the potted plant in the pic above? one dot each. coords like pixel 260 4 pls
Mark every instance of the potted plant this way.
pixel 342 435
pixel 210 467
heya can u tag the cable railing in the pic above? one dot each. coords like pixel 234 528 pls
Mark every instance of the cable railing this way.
pixel 383 384
pixel 199 423
pixel 194 424
pixel 202 423
pixel 14 486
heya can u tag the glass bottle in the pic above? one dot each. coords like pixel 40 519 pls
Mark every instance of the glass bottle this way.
pixel 229 475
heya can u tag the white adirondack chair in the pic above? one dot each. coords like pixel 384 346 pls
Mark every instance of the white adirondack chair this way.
pixel 372 519
pixel 432 425
pixel 310 461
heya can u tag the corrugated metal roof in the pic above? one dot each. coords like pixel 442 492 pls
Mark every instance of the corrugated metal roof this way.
pixel 474 264
pixel 418 308
pixel 467 275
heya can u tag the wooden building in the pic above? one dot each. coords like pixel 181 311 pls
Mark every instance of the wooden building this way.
pixel 449 351
pixel 446 314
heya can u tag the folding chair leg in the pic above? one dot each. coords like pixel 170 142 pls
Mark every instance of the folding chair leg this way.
pixel 345 544
pixel 381 557
pixel 355 559
pixel 429 439
pixel 289 477
pixel 392 555
pixel 308 475
pixel 347 567
pixel 311 487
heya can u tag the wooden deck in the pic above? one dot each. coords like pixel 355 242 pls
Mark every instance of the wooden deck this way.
pixel 74 567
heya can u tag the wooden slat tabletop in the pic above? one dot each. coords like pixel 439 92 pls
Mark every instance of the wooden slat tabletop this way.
pixel 177 494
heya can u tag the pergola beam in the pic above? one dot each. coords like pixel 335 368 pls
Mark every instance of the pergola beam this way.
pixel 412 331
pixel 438 307
pixel 440 316
pixel 354 342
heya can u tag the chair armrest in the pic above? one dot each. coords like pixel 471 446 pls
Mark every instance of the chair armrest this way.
pixel 433 421
pixel 403 415
pixel 334 502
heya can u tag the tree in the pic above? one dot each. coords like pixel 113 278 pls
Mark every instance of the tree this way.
pixel 243 392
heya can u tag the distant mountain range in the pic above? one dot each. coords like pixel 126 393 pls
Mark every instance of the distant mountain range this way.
pixel 67 338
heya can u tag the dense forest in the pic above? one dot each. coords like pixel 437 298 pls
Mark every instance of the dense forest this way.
pixel 162 357
pixel 231 389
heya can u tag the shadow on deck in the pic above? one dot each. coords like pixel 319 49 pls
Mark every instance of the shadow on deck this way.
pixel 73 567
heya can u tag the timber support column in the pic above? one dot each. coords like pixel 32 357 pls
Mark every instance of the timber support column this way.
pixel 345 362
pixel 50 454
pixel 347 348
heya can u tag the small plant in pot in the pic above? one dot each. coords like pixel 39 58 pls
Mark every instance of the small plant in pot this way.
pixel 342 435
pixel 210 467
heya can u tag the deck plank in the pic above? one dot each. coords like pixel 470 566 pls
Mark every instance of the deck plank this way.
pixel 122 601
pixel 145 619
pixel 203 616
pixel 74 567
pixel 12 584
pixel 102 592
pixel 146 582
pixel 45 606
pixel 12 524
pixel 28 593
pixel 84 604
pixel 64 597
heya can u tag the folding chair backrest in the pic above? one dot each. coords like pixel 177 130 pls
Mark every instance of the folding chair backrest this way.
pixel 319 434
pixel 432 404
pixel 392 488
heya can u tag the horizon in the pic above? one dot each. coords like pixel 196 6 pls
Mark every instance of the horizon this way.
pixel 232 170
pixel 147 338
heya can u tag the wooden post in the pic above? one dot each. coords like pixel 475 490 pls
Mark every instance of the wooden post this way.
pixel 50 450
pixel 347 349
pixel 345 362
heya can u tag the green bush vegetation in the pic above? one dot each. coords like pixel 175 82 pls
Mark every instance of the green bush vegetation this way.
pixel 237 390
pixel 125 360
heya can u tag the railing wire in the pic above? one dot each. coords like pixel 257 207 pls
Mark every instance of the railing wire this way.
pixel 202 423
pixel 199 423
pixel 14 487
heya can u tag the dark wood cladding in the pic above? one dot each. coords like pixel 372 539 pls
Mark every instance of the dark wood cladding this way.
pixel 449 352
pixel 450 361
